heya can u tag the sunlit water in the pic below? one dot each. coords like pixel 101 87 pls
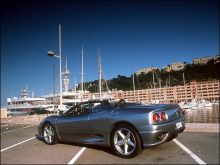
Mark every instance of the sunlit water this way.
pixel 203 115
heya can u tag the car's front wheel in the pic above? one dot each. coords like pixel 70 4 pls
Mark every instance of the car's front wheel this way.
pixel 125 141
pixel 49 134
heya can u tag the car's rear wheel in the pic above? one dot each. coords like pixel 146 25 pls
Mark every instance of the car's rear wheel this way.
pixel 125 141
pixel 49 134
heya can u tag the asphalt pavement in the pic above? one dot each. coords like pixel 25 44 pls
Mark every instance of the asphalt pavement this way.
pixel 21 145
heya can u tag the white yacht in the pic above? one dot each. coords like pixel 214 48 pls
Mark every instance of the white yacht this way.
pixel 204 103
pixel 24 104
pixel 189 105
pixel 69 98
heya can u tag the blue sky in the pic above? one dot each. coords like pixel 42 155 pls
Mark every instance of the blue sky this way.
pixel 130 35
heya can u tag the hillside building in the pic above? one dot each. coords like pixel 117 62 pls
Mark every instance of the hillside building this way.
pixel 178 66
pixel 202 60
pixel 175 66
pixel 146 70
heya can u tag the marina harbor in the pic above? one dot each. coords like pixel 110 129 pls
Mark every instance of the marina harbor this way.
pixel 197 96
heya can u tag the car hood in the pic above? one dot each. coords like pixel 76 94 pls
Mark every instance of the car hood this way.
pixel 50 118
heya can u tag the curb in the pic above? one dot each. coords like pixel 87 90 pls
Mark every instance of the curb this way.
pixel 202 127
pixel 32 119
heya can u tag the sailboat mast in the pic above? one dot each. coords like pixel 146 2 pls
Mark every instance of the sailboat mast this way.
pixel 100 75
pixel 82 75
pixel 26 87
pixel 134 87
pixel 60 57
pixel 66 62
pixel 184 86
pixel 169 80
pixel 154 87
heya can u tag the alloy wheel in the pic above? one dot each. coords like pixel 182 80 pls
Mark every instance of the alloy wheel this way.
pixel 124 141
pixel 48 134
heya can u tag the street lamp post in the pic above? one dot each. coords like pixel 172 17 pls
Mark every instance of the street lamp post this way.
pixel 51 54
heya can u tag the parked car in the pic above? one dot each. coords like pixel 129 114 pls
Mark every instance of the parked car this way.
pixel 18 112
pixel 125 127
pixel 35 111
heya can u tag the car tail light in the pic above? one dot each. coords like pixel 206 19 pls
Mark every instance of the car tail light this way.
pixel 163 116
pixel 156 117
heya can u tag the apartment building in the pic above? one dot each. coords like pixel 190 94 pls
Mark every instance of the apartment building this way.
pixel 178 66
pixel 208 90
pixel 146 70
pixel 175 66
pixel 202 60
pixel 217 59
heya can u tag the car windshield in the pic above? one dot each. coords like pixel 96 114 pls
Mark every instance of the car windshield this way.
pixel 84 108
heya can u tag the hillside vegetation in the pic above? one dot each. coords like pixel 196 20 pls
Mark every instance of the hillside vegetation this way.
pixel 192 72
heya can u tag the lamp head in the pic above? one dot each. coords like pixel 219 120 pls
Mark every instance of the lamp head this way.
pixel 50 53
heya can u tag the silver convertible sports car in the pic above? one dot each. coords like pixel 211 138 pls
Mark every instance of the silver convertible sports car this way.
pixel 125 127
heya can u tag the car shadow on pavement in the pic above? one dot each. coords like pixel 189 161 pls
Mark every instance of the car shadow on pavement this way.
pixel 37 136
pixel 102 148
pixel 95 147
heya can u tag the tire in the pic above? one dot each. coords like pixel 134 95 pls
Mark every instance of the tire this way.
pixel 49 134
pixel 125 141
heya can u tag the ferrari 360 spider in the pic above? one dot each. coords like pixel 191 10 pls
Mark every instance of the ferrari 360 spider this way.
pixel 125 127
